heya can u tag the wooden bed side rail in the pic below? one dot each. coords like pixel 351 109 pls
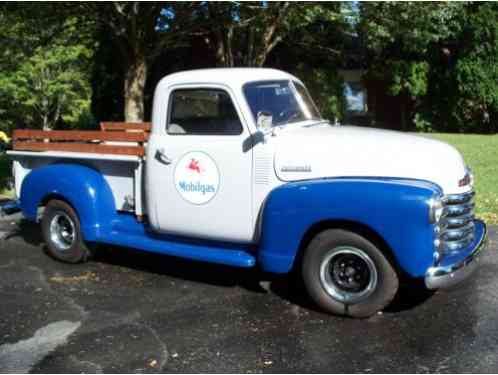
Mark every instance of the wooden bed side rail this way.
pixel 80 147
pixel 126 126
pixel 75 135
pixel 80 141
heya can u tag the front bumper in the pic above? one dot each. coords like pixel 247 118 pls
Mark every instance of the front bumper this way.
pixel 453 269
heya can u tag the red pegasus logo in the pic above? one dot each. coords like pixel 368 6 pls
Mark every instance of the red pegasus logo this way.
pixel 194 166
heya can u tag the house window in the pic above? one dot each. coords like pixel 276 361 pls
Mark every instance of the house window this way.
pixel 356 97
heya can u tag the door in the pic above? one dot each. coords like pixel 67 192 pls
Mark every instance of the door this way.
pixel 199 179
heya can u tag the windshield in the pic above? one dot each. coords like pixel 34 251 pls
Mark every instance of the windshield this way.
pixel 286 101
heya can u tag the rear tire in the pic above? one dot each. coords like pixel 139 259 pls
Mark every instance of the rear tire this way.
pixel 62 233
pixel 345 274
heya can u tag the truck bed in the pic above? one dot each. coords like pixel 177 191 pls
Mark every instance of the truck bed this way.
pixel 123 173
pixel 117 151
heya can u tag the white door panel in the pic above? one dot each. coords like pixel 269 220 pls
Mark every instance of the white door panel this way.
pixel 200 185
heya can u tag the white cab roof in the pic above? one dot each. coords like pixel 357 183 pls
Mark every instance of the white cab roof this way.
pixel 235 77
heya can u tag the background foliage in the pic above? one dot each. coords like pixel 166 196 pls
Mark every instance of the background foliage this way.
pixel 442 56
pixel 67 65
pixel 44 69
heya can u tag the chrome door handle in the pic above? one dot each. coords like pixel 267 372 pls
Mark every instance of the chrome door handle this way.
pixel 162 157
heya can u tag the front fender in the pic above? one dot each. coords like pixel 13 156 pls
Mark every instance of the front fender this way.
pixel 395 209
pixel 81 186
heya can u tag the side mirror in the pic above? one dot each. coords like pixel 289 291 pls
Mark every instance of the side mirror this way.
pixel 264 121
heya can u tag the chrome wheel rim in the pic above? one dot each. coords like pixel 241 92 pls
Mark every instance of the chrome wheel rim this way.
pixel 348 274
pixel 62 231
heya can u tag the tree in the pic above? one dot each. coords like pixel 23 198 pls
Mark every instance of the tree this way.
pixel 442 56
pixel 326 88
pixel 476 67
pixel 400 37
pixel 43 68
pixel 49 86
pixel 244 34
pixel 260 25
pixel 321 41
pixel 140 31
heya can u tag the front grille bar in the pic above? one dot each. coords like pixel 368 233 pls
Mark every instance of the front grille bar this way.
pixel 459 210
pixel 454 246
pixel 458 198
pixel 455 222
pixel 456 228
pixel 458 233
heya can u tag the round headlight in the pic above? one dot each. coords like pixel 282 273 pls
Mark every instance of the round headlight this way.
pixel 436 209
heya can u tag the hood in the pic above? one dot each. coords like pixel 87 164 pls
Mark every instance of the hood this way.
pixel 346 151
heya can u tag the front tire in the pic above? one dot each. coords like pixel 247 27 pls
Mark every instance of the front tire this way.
pixel 62 233
pixel 345 274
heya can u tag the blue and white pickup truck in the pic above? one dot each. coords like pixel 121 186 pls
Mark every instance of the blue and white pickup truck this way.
pixel 241 169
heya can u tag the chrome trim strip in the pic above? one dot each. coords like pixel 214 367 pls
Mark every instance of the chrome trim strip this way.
pixel 459 210
pixel 458 233
pixel 447 276
pixel 459 198
pixel 451 222
pixel 458 244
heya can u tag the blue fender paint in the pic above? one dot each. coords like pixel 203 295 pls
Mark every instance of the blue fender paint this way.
pixel 395 209
pixel 83 187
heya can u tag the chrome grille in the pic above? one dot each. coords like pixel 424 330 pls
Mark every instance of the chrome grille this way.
pixel 457 225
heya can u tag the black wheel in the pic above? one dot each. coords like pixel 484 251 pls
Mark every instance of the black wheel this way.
pixel 62 234
pixel 346 274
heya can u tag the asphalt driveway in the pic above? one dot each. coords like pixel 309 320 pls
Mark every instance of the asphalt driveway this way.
pixel 129 311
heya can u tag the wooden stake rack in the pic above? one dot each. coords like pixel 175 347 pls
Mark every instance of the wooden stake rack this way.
pixel 114 139
pixel 126 126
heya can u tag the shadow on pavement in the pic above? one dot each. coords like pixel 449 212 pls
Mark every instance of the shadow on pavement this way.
pixel 409 296
pixel 288 287
pixel 28 231
pixel 185 269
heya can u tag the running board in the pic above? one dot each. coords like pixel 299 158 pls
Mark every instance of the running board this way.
pixel 231 255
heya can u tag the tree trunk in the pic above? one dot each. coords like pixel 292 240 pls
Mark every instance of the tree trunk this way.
pixel 134 85
pixel 404 124
pixel 220 49
pixel 46 125
pixel 249 58
pixel 228 50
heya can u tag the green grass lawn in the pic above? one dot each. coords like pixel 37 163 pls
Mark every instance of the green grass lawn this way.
pixel 481 154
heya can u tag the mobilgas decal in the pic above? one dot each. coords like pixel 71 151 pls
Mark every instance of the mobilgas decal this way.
pixel 197 177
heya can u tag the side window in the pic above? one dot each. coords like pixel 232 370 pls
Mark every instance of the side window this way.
pixel 202 112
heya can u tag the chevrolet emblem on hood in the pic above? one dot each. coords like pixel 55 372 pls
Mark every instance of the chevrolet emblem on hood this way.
pixel 296 168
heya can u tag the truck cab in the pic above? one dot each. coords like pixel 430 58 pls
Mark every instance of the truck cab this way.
pixel 240 168
pixel 206 154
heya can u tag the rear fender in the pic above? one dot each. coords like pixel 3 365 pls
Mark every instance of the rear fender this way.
pixel 84 188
